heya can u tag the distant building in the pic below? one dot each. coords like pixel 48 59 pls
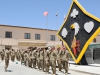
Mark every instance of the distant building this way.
pixel 18 37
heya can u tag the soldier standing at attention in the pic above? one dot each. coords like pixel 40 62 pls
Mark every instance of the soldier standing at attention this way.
pixel 2 54
pixel 17 55
pixel 37 58
pixel 58 58
pixel 12 55
pixel 34 57
pixel 30 58
pixel 65 59
pixel 26 58
pixel 47 59
pixel 41 59
pixel 22 57
pixel 53 57
pixel 7 55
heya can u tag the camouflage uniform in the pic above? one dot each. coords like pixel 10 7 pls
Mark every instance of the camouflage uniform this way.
pixel 26 58
pixel 22 57
pixel 65 59
pixel 7 55
pixel 2 54
pixel 30 59
pixel 47 59
pixel 53 57
pixel 58 58
pixel 41 62
pixel 12 55
pixel 37 58
pixel 34 58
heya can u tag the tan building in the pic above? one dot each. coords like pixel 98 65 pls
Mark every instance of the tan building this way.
pixel 18 37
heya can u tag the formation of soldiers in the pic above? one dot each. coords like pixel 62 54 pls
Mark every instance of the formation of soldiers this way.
pixel 39 58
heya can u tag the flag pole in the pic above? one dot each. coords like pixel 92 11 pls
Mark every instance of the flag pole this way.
pixel 47 30
pixel 57 25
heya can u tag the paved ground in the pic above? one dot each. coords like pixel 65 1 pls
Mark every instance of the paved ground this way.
pixel 93 69
pixel 17 69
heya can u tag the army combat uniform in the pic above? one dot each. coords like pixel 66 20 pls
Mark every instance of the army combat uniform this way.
pixel 38 58
pixel 41 61
pixel 58 58
pixel 13 55
pixel 47 60
pixel 30 59
pixel 26 59
pixel 7 55
pixel 2 54
pixel 34 58
pixel 65 59
pixel 22 57
pixel 53 57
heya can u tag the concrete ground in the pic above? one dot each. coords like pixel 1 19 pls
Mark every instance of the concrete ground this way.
pixel 93 69
pixel 18 69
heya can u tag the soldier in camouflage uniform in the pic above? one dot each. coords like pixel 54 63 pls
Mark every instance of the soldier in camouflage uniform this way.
pixel 53 57
pixel 65 59
pixel 37 58
pixel 30 58
pixel 58 58
pixel 41 61
pixel 17 55
pixel 7 55
pixel 34 57
pixel 22 57
pixel 26 58
pixel 47 59
pixel 2 54
pixel 12 55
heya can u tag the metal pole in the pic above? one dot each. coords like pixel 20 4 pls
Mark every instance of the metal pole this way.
pixel 57 25
pixel 47 30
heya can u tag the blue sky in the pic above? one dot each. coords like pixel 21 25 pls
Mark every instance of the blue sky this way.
pixel 29 13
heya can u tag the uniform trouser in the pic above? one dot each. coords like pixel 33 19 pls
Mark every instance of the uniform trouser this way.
pixel 13 58
pixel 59 64
pixel 18 58
pixel 26 62
pixel 34 63
pixel 2 57
pixel 41 62
pixel 6 63
pixel 53 66
pixel 65 66
pixel 47 65
pixel 30 62
pixel 44 64
pixel 37 63
pixel 22 61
